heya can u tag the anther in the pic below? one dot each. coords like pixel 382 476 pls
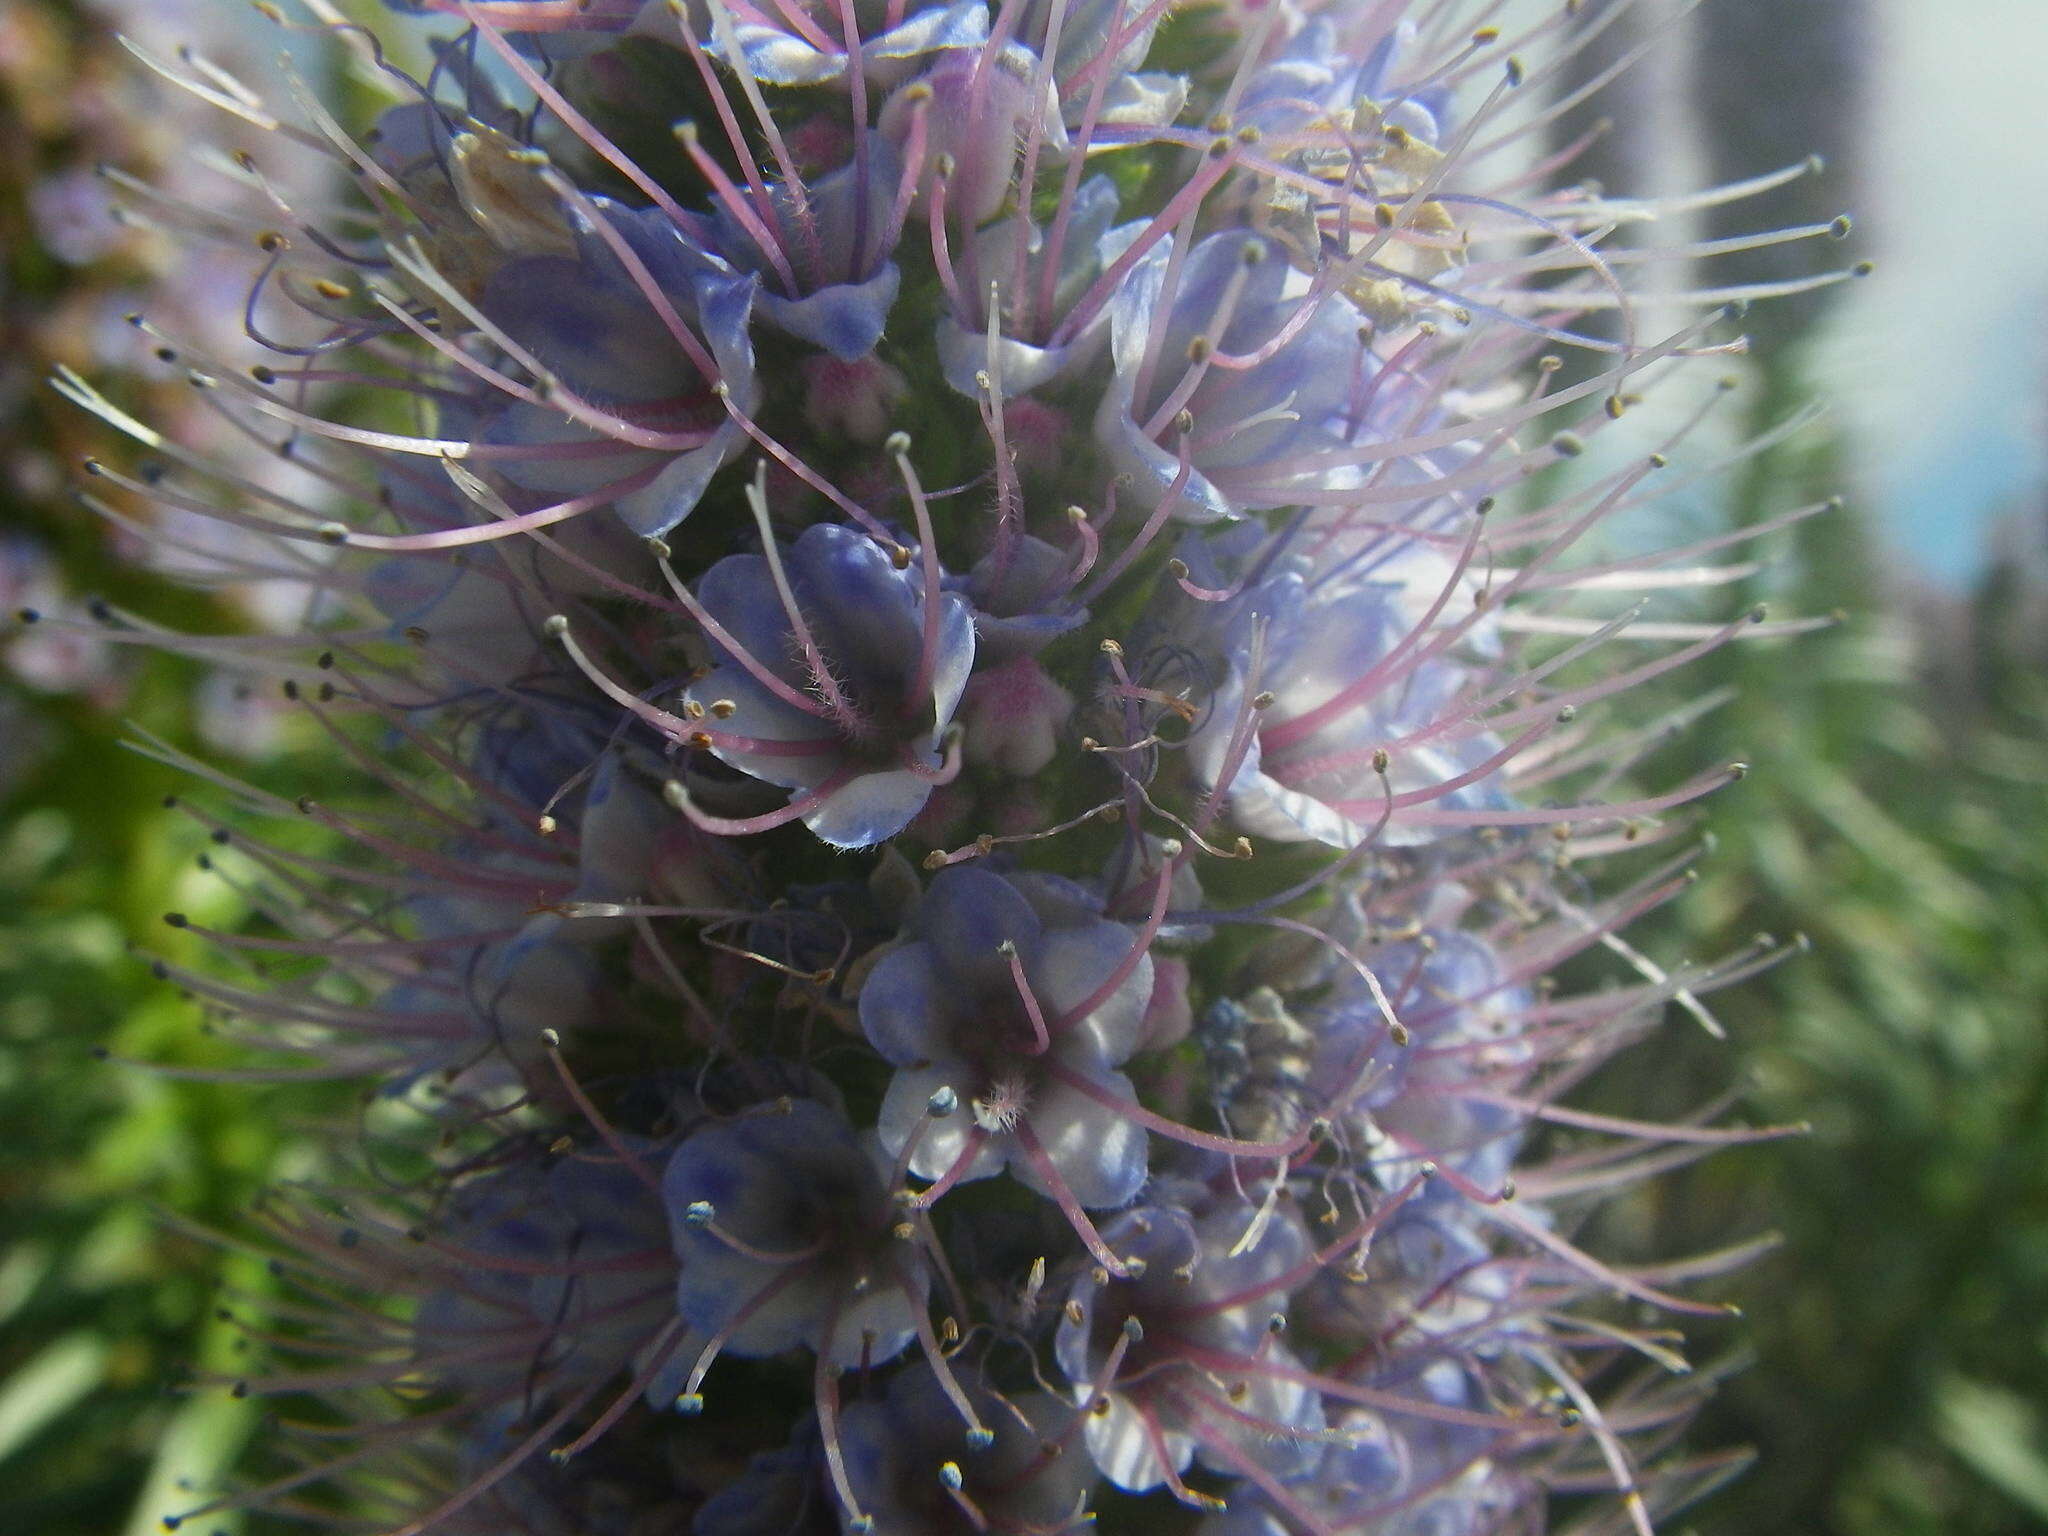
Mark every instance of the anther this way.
pixel 555 626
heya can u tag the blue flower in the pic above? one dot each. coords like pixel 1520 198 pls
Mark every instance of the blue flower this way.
pixel 784 1229
pixel 1021 596
pixel 805 43
pixel 549 28
pixel 782 1492
pixel 1321 73
pixel 1178 1360
pixel 1354 1484
pixel 640 409
pixel 1229 382
pixel 912 1468
pixel 1330 716
pixel 833 236
pixel 1015 997
pixel 846 696
pixel 1434 1100
pixel 555 1272
pixel 1033 346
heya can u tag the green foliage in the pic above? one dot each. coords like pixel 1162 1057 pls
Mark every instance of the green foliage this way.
pixel 108 1302
pixel 1903 828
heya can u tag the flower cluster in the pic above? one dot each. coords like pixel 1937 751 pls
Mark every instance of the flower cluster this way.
pixel 976 638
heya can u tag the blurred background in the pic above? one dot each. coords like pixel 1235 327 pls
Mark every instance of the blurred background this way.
pixel 1892 1372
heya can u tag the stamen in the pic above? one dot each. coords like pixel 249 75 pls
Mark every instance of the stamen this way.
pixel 665 1345
pixel 722 826
pixel 1063 1196
pixel 720 636
pixel 814 659
pixel 825 1393
pixel 915 697
pixel 551 1042
pixel 1042 1041
pixel 691 1400
pixel 1141 945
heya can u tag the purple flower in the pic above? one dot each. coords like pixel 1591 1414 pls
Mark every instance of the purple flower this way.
pixel 716 1097
pixel 1432 1282
pixel 974 115
pixel 1322 72
pixel 839 675
pixel 544 17
pixel 1354 1484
